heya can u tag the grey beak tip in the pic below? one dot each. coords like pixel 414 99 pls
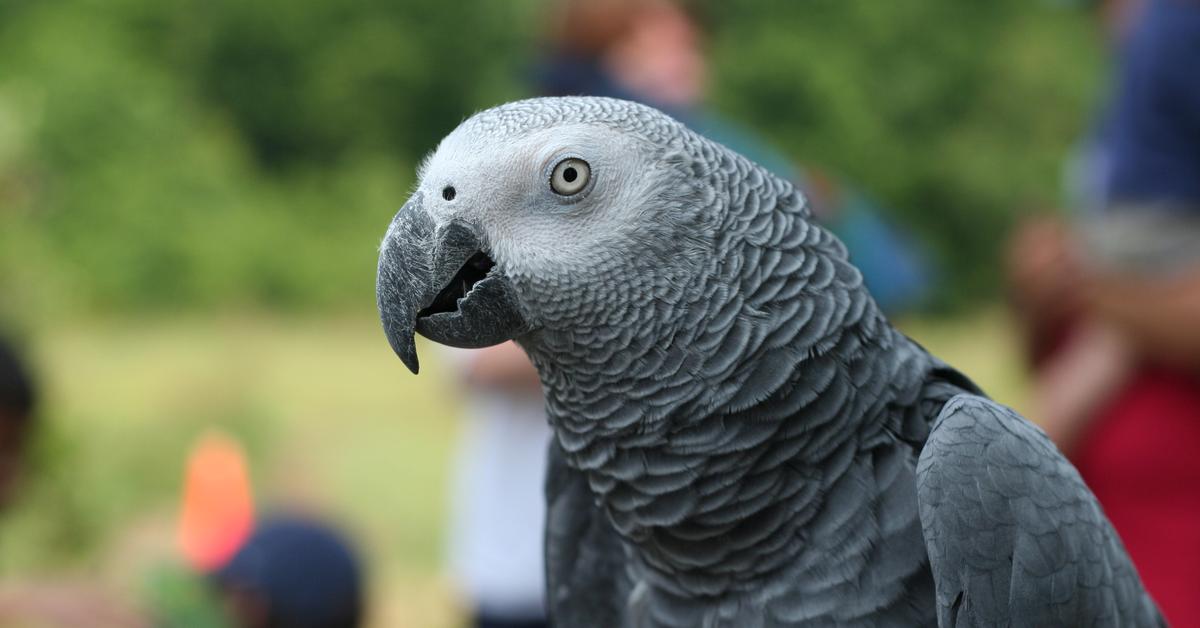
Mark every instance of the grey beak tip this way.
pixel 411 362
pixel 404 345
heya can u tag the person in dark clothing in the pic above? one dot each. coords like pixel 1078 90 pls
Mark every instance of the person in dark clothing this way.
pixel 18 400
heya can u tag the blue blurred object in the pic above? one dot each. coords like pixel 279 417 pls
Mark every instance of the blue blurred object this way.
pixel 304 574
pixel 1154 125
pixel 893 267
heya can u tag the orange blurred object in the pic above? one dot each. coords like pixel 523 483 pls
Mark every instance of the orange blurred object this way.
pixel 218 509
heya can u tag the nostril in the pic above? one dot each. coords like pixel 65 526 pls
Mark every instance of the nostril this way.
pixel 448 193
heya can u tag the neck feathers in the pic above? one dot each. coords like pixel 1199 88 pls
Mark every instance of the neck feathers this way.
pixel 713 428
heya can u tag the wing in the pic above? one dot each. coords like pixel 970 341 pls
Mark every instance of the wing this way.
pixel 587 583
pixel 1014 536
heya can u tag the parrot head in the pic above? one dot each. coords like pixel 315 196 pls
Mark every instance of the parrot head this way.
pixel 548 216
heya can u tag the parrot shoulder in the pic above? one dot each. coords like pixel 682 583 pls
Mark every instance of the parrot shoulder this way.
pixel 1014 536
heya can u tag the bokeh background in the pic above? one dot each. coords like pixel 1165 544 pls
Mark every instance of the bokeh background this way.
pixel 192 194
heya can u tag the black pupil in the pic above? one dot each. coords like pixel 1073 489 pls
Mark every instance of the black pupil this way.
pixel 569 175
pixel 448 192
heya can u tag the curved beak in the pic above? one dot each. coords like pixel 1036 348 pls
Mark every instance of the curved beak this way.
pixel 438 280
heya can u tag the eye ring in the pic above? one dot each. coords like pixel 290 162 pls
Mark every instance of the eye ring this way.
pixel 570 176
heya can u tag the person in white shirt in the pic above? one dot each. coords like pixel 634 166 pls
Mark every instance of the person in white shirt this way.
pixel 498 505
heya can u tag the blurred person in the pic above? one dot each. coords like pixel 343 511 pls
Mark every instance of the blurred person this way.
pixel 292 572
pixel 649 51
pixel 1110 302
pixel 644 50
pixel 497 505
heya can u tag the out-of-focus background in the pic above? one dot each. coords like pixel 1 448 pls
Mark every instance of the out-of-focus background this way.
pixel 192 194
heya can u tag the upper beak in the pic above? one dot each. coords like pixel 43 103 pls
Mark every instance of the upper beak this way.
pixel 436 279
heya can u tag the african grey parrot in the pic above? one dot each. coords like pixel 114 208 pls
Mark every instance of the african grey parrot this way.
pixel 741 437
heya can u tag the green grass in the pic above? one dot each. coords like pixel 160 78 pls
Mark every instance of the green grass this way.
pixel 330 418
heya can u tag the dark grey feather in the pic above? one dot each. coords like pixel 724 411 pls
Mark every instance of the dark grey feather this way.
pixel 586 580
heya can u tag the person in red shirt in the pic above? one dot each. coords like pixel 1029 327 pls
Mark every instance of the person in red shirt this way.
pixel 1110 302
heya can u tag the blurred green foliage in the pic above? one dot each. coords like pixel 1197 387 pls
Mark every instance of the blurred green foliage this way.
pixel 178 598
pixel 217 153
pixel 957 116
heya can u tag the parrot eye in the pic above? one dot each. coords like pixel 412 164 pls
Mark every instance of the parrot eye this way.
pixel 570 176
